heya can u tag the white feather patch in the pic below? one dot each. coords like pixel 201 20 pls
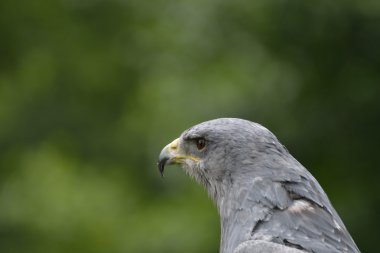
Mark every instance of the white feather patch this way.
pixel 300 206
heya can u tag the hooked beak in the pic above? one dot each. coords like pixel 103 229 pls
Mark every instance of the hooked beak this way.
pixel 171 154
pixel 167 156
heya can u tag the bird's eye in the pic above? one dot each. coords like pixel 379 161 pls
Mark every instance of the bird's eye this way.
pixel 201 143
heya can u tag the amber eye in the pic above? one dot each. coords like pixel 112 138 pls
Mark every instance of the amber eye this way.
pixel 201 143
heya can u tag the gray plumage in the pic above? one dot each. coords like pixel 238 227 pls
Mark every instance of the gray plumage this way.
pixel 267 201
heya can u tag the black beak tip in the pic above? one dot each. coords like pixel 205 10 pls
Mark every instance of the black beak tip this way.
pixel 161 166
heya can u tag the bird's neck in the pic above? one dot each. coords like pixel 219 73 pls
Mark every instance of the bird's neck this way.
pixel 236 221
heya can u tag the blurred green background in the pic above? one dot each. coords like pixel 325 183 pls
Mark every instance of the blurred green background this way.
pixel 90 91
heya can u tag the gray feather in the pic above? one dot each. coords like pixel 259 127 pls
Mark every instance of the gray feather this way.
pixel 267 201
pixel 264 247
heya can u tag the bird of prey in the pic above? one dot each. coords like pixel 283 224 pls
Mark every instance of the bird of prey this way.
pixel 267 201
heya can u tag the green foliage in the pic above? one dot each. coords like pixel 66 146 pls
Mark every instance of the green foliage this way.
pixel 90 91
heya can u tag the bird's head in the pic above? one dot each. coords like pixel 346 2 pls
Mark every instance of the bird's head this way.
pixel 219 151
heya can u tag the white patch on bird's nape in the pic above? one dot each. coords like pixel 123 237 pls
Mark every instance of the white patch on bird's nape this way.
pixel 300 206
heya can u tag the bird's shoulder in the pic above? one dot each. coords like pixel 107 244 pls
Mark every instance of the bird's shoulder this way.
pixel 295 212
